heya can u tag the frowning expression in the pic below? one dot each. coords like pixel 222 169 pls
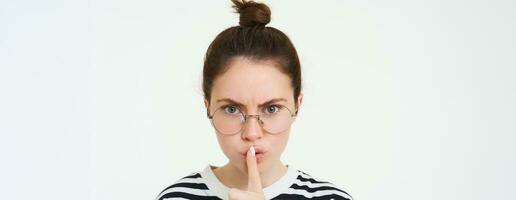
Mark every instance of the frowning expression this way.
pixel 252 88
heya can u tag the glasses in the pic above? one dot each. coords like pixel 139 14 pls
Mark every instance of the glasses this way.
pixel 274 119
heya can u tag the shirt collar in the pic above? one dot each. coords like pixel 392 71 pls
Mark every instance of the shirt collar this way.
pixel 216 188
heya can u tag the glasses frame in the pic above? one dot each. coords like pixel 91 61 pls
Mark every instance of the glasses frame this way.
pixel 245 116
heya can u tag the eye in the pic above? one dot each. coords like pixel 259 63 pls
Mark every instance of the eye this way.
pixel 271 109
pixel 230 109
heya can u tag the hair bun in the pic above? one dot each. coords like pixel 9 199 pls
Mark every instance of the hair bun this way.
pixel 252 13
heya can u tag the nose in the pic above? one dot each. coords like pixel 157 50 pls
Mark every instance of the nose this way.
pixel 252 129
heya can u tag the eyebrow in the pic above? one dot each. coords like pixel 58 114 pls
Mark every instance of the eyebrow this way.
pixel 260 105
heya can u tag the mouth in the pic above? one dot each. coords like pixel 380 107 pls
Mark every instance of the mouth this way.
pixel 259 152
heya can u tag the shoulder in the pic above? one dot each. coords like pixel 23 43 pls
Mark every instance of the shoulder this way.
pixel 308 187
pixel 188 187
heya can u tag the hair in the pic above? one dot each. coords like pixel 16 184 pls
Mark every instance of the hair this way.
pixel 254 41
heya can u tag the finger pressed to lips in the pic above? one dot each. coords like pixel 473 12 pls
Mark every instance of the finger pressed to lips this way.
pixel 259 154
pixel 254 182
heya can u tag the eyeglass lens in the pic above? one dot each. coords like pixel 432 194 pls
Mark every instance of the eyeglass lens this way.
pixel 231 121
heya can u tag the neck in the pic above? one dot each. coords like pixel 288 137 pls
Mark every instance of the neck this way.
pixel 233 177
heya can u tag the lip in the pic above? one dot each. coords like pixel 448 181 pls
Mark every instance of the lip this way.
pixel 260 154
pixel 257 149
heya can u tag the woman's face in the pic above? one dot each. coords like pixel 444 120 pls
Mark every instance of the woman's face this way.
pixel 251 84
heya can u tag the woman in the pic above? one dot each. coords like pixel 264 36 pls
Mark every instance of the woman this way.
pixel 252 90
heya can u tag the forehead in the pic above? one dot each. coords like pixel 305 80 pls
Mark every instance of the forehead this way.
pixel 252 83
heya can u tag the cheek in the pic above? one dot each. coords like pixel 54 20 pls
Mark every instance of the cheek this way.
pixel 279 143
pixel 228 145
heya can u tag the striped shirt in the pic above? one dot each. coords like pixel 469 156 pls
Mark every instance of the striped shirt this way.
pixel 295 184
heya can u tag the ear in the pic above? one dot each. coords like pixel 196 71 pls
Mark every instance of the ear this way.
pixel 207 106
pixel 299 101
pixel 206 103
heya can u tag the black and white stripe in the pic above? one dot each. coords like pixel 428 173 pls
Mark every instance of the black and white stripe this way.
pixel 304 187
pixel 307 187
pixel 188 187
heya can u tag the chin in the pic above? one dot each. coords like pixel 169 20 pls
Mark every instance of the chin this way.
pixel 242 165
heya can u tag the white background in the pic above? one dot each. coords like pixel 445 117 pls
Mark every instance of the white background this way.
pixel 403 99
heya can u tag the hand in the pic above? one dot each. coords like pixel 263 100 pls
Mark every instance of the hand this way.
pixel 254 185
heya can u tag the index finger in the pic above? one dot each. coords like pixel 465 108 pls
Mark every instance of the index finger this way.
pixel 254 183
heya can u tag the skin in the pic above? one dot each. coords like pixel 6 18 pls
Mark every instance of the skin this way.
pixel 251 83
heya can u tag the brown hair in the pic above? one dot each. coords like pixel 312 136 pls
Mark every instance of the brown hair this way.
pixel 254 41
